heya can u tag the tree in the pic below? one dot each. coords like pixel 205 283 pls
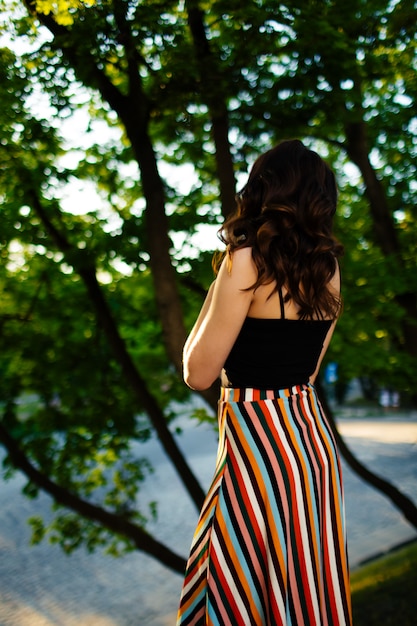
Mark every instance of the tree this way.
pixel 101 299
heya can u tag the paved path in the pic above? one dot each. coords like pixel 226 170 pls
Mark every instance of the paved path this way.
pixel 385 432
pixel 40 586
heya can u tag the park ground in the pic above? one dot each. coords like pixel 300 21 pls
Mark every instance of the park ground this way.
pixel 384 590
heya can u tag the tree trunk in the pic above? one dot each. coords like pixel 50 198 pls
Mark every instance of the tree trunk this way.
pixel 357 148
pixel 159 244
pixel 133 111
pixel 212 91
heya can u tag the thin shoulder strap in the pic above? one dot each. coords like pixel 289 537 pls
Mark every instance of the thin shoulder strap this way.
pixel 281 301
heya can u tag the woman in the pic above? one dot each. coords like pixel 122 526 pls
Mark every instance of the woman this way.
pixel 270 546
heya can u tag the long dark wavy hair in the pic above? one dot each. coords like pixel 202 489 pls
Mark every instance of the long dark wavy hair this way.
pixel 285 214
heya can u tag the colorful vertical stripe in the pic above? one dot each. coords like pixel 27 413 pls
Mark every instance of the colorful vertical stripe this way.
pixel 270 545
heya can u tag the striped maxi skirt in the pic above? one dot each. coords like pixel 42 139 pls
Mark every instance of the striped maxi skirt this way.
pixel 270 545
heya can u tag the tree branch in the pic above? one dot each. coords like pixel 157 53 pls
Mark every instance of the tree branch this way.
pixel 83 63
pixel 114 522
pixel 105 318
pixel 402 502
pixel 211 85
pixel 384 227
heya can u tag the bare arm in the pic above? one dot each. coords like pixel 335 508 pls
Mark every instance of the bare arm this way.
pixel 220 320
pixel 200 318
pixel 335 286
pixel 323 352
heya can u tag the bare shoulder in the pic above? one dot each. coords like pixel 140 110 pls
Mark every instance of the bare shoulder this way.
pixel 241 257
pixel 240 267
pixel 334 283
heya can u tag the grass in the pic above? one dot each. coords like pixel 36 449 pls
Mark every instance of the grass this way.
pixel 384 592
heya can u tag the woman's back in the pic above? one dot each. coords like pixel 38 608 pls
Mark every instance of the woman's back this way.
pixel 275 352
pixel 276 349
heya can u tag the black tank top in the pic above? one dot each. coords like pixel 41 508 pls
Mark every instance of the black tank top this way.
pixel 275 353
